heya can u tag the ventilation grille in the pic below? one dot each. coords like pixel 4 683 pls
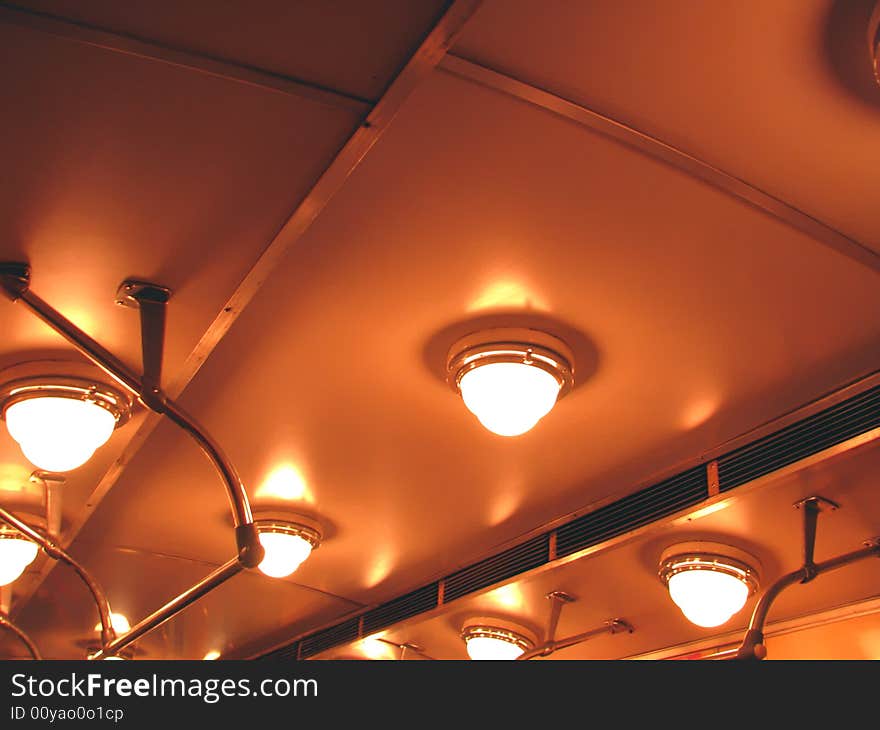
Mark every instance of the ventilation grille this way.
pixel 632 511
pixel 499 567
pixel 290 651
pixel 419 601
pixel 836 424
pixel 328 638
pixel 832 426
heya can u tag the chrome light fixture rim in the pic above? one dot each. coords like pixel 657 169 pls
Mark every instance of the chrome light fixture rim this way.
pixel 111 399
pixel 8 532
pixel 727 560
pixel 285 527
pixel 511 345
pixel 485 631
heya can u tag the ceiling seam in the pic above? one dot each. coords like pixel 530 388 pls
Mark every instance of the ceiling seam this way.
pixel 633 138
pixel 130 45
pixel 419 67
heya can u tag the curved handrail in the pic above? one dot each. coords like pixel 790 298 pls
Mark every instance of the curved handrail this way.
pixel 7 623
pixel 58 553
pixel 15 281
pixel 752 646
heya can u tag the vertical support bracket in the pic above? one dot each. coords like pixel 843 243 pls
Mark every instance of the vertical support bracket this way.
pixel 712 479
pixel 15 278
pixel 557 599
pixel 812 506
pixel 51 499
pixel 151 300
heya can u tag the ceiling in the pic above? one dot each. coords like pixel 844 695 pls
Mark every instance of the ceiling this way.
pixel 333 203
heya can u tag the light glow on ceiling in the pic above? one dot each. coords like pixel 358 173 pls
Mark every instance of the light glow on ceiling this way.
pixel 285 482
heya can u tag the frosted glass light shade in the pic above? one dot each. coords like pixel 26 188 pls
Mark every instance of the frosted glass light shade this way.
pixel 509 398
pixel 490 648
pixel 494 641
pixel 16 554
pixel 56 433
pixel 285 551
pixel 708 598
pixel 709 581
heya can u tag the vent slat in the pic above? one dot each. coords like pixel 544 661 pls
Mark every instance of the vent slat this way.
pixel 291 651
pixel 800 440
pixel 418 601
pixel 529 555
pixel 328 638
pixel 849 418
pixel 612 523
pixel 632 511
pixel 806 436
pixel 844 412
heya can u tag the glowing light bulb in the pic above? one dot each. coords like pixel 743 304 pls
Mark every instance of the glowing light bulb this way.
pixel 56 433
pixel 285 552
pixel 119 622
pixel 509 398
pixel 708 598
pixel 16 553
pixel 211 655
pixel 489 648
pixel 492 641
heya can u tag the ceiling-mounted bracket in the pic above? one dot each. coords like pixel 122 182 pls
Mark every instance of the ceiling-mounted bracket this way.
pixel 820 503
pixel 619 626
pixel 151 300
pixel 15 278
pixel 557 599
pixel 132 293
pixel 407 645
pixel 811 507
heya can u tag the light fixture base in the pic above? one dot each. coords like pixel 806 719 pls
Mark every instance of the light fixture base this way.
pixel 493 627
pixel 821 503
pixel 131 292
pixel 715 556
pixel 511 344
pixel 291 524
pixel 94 391
pixel 561 597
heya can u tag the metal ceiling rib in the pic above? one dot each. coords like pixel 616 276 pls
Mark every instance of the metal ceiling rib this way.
pixel 420 65
pixel 745 191
pixel 92 36
pixel 857 416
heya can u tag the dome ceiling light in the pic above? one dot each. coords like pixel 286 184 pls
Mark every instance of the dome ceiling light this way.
pixel 107 409
pixel 287 545
pixel 492 639
pixel 708 581
pixel 60 421
pixel 16 554
pixel 510 378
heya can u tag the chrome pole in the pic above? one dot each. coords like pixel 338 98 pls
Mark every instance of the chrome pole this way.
pixel 55 551
pixel 172 608
pixel 615 626
pixel 6 622
pixel 752 646
pixel 15 281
